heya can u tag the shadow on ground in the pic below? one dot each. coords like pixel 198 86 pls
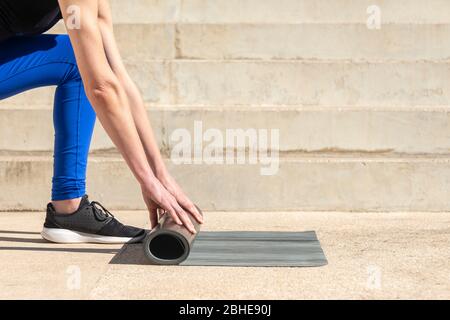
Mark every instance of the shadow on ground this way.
pixel 132 254
pixel 53 248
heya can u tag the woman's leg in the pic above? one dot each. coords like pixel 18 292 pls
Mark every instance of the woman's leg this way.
pixel 31 62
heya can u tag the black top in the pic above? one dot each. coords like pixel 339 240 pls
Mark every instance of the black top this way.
pixel 27 17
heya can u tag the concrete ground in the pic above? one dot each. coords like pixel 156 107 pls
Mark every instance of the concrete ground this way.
pixel 370 255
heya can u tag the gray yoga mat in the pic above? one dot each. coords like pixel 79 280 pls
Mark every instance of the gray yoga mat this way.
pixel 256 249
pixel 240 248
pixel 172 244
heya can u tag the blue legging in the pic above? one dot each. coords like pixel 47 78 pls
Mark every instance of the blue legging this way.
pixel 47 60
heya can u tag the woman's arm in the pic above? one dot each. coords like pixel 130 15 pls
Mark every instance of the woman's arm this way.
pixel 138 110
pixel 108 98
pixel 133 95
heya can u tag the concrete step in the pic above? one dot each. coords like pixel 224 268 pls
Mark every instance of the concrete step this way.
pixel 311 83
pixel 278 11
pixel 288 82
pixel 311 41
pixel 301 129
pixel 140 41
pixel 301 183
pixel 281 41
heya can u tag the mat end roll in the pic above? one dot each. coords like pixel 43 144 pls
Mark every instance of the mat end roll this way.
pixel 169 243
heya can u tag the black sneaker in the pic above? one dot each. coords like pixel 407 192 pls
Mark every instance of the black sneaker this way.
pixel 90 223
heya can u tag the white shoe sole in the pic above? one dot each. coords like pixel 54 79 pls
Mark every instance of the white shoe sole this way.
pixel 69 236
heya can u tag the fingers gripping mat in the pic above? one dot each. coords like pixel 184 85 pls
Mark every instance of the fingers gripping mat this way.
pixel 231 248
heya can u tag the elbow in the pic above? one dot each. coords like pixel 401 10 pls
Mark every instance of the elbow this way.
pixel 105 94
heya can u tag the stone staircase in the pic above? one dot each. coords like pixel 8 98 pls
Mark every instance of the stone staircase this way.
pixel 363 114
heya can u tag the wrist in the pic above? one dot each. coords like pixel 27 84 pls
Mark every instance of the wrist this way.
pixel 146 179
pixel 159 169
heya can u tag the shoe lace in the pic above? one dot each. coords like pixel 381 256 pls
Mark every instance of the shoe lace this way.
pixel 100 212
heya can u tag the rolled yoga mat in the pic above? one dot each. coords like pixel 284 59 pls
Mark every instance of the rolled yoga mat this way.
pixel 170 244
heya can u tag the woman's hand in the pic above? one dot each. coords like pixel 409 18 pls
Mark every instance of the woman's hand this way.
pixel 157 197
pixel 175 190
